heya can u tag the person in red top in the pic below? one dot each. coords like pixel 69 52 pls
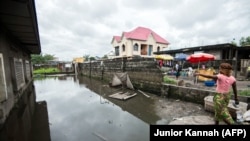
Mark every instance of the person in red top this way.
pixel 160 63
pixel 224 81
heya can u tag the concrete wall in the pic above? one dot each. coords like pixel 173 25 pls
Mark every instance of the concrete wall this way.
pixel 145 75
pixel 18 125
pixel 17 90
pixel 143 72
pixel 195 95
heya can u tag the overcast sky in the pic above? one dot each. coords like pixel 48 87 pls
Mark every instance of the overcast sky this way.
pixel 74 28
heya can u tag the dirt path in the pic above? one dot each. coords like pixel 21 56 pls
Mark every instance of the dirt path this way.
pixel 181 112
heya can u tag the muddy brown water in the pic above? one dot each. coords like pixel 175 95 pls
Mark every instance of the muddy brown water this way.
pixel 79 109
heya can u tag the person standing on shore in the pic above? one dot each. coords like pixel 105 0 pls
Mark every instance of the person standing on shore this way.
pixel 224 81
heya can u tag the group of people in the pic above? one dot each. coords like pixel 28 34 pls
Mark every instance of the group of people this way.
pixel 178 69
pixel 164 63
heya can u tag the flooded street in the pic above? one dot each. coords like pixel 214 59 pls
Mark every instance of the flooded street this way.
pixel 78 113
pixel 80 109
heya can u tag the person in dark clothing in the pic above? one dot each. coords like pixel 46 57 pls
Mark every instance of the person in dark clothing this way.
pixel 178 71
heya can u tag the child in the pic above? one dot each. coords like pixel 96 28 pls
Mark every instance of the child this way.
pixel 222 96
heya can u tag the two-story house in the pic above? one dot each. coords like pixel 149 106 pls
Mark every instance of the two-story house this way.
pixel 139 42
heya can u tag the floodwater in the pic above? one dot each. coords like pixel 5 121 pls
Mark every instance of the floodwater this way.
pixel 79 109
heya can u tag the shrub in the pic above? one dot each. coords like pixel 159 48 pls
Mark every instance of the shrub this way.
pixel 168 80
pixel 244 92
pixel 46 70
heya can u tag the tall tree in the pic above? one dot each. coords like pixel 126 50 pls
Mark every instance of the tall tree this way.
pixel 245 41
pixel 48 57
pixel 105 57
pixel 234 43
pixel 92 58
pixel 41 59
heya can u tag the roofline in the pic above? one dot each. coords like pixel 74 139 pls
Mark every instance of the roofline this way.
pixel 35 23
pixel 206 47
pixel 19 19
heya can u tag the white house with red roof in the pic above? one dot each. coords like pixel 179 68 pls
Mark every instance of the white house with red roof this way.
pixel 139 42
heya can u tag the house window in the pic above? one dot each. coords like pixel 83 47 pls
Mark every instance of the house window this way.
pixel 150 48
pixel 19 73
pixel 158 49
pixel 3 88
pixel 136 47
pixel 27 70
pixel 123 48
pixel 117 51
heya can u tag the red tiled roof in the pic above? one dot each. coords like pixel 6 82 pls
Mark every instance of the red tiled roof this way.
pixel 141 33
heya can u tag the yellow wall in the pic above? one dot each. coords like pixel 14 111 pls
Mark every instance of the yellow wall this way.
pixel 78 60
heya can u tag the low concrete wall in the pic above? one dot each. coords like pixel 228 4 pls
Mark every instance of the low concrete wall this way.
pixel 147 76
pixel 19 122
pixel 143 72
pixel 190 94
pixel 144 75
pixel 195 95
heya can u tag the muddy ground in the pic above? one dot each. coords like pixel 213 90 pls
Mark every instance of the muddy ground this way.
pixel 174 111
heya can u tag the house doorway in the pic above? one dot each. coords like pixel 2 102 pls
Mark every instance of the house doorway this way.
pixel 144 49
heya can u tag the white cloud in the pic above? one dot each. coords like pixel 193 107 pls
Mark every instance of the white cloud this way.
pixel 71 29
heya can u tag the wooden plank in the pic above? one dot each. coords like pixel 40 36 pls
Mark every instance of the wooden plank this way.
pixel 115 94
pixel 122 96
pixel 118 95
pixel 129 96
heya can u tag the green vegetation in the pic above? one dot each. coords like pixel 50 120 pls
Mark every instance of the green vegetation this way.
pixel 244 93
pixel 46 70
pixel 168 80
pixel 41 59
pixel 244 41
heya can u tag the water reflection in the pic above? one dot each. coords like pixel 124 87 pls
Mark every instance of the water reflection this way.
pixel 79 110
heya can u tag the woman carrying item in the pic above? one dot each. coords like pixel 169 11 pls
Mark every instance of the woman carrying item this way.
pixel 224 81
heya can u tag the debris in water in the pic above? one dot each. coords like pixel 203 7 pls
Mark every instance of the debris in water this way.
pixel 100 136
pixel 144 93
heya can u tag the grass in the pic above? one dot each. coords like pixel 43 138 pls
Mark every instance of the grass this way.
pixel 168 80
pixel 244 93
pixel 45 70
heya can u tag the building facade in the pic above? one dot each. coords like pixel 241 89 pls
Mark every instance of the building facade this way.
pixel 19 38
pixel 139 42
pixel 226 51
